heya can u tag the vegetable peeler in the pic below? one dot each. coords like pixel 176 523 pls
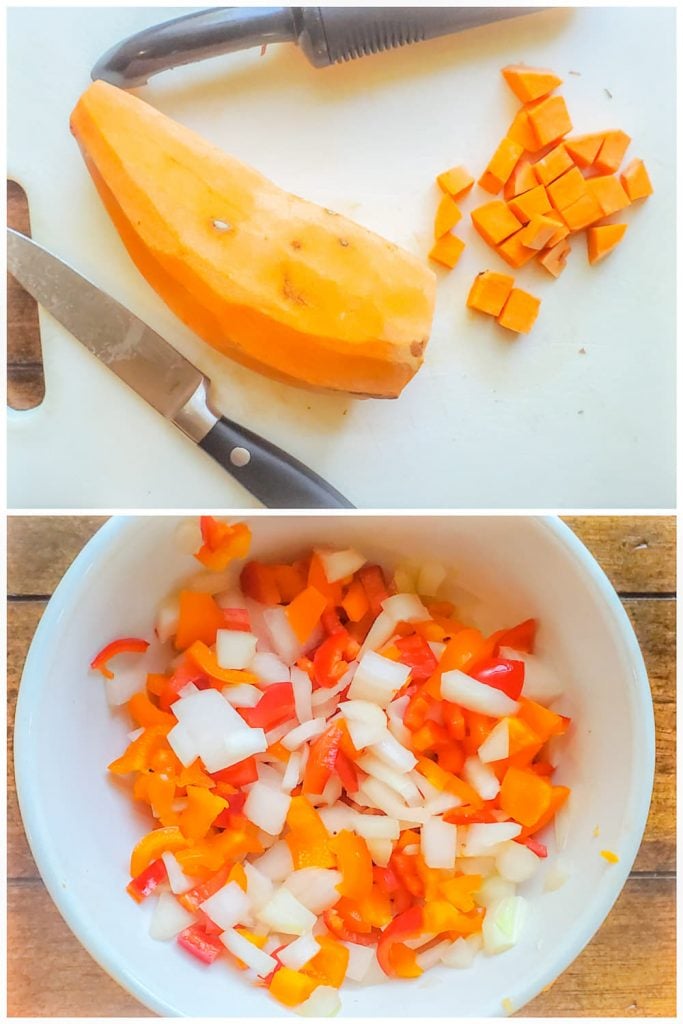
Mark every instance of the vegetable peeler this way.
pixel 326 35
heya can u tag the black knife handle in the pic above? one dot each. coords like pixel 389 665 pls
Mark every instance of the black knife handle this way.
pixel 277 479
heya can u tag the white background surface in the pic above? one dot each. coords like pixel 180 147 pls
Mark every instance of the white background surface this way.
pixel 488 421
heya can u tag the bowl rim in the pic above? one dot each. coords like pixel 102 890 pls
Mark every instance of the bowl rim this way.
pixel 96 944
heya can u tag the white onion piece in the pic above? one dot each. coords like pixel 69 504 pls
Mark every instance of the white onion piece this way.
pixel 304 732
pixel 380 851
pixel 459 954
pixel 299 952
pixel 430 578
pixel 236 748
pixel 276 863
pixel 376 826
pixel 484 865
pixel 559 871
pixel 243 695
pixel 475 696
pixel 332 791
pixel 442 802
pixel 267 807
pixel 316 888
pixel 208 582
pixel 496 746
pixel 302 689
pixel 503 923
pixel 275 734
pixel 336 819
pixel 438 842
pixel 324 1001
pixel 363 711
pixel 396 780
pixel 397 708
pixel 405 608
pixel 269 668
pixel 169 918
pixel 482 837
pixel 382 629
pixel 428 791
pixel 481 778
pixel 282 636
pixel 182 744
pixel 493 889
pixel 324 694
pixel 231 597
pixel 177 879
pixel 123 686
pixel 540 681
pixel 166 624
pixel 221 735
pixel 228 907
pixel 292 775
pixel 399 732
pixel 360 958
pixel 429 958
pixel 285 913
pixel 405 579
pixel 516 862
pixel 340 564
pixel 393 753
pixel 235 649
pixel 248 953
pixel 188 536
pixel 377 679
pixel 388 801
pixel 270 774
pixel 259 886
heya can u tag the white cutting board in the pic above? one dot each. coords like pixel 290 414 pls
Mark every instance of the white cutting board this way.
pixel 580 413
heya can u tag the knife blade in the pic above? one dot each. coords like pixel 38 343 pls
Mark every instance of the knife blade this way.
pixel 167 381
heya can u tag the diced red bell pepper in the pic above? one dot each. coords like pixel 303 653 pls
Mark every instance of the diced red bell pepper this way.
pixel 323 756
pixel 416 653
pixel 197 941
pixel 259 582
pixel 500 673
pixel 186 672
pixel 331 660
pixel 275 707
pixel 237 619
pixel 520 637
pixel 454 720
pixel 375 586
pixel 240 774
pixel 222 543
pixel 236 802
pixel 192 899
pixel 338 927
pixel 147 881
pixel 126 645
pixel 344 768
pixel 540 849
pixel 407 925
pixel 331 622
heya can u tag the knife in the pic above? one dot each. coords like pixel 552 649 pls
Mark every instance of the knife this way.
pixel 172 385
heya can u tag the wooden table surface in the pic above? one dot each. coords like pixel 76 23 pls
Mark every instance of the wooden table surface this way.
pixel 629 967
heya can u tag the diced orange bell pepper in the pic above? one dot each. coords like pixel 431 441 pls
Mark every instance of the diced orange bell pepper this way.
pixel 452 758
pixel 199 619
pixel 430 736
pixel 205 659
pixel 544 722
pixel 259 582
pixel 291 987
pixel 318 580
pixel 304 612
pixel 355 602
pixel 524 796
pixel 144 713
pixel 151 847
pixel 442 916
pixel 478 728
pixel 161 792
pixel 447 782
pixel 137 755
pixel 403 961
pixel 459 891
pixel 222 543
pixel 239 875
pixel 463 649
pixel 558 796
pixel 202 808
pixel 328 967
pixel 308 840
pixel 354 862
pixel 194 775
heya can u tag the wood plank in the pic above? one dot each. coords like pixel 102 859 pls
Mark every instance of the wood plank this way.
pixel 41 549
pixel 638 553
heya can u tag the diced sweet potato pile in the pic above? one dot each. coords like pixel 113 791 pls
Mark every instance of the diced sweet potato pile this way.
pixel 549 185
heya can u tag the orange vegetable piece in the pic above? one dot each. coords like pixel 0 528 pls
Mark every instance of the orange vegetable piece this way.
pixel 305 611
pixel 151 847
pixel 290 580
pixel 308 840
pixel 447 216
pixel 222 543
pixel 355 863
pixel 199 619
pixel 562 229
pixel 567 189
pixel 583 149
pixel 460 891
pixel 538 232
pixel 553 164
pixel 489 292
pixel 602 239
pixel 239 875
pixel 544 722
pixel 530 203
pixel 137 755
pixel 501 165
pixel 521 131
pixel 203 807
pixel 447 250
pixel 522 179
pixel 206 660
pixel 519 312
pixel 583 212
pixel 610 856
pixel 612 152
pixel 530 83
pixel 549 120
pixel 495 222
pixel 609 192
pixel 291 987
pixel 328 967
pixel 514 252
pixel 456 182
pixel 144 713
pixel 636 180
pixel 524 796
pixel 554 259
pixel 447 782
pixel 558 796
pixel 355 602
pixel 318 579
pixel 258 581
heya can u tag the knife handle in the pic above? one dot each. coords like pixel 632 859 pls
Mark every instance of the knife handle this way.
pixel 277 479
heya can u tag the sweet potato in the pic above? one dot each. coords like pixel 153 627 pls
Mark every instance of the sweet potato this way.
pixel 519 312
pixel 530 83
pixel 636 181
pixel 609 192
pixel 456 182
pixel 554 258
pixel 489 292
pixel 549 120
pixel 553 164
pixel 448 214
pixel 530 204
pixel 501 165
pixel 495 222
pixel 603 239
pixel 447 250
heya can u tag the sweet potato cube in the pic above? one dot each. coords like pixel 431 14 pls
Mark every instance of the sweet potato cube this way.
pixel 583 212
pixel 602 239
pixel 489 292
pixel 519 312
pixel 561 228
pixel 522 179
pixel 553 164
pixel 456 182
pixel 569 187
pixel 447 250
pixel 530 83
pixel 514 252
pixel 530 203
pixel 447 216
pixel 495 222
pixel 554 258
pixel 501 165
pixel 549 120
pixel 609 192
pixel 538 232
pixel 636 181
pixel 583 149
pixel 612 152
pixel 521 131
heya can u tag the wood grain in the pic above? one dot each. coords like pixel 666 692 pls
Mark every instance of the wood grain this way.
pixel 618 974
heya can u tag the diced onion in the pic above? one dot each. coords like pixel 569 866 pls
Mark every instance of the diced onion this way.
pixel 299 952
pixel 481 838
pixel 243 695
pixel 475 696
pixel 248 953
pixel 292 775
pixel 360 958
pixel 316 888
pixel 324 1001
pixel 304 732
pixel 267 807
pixel 166 624
pixel 428 958
pixel 236 748
pixel 122 687
pixel 363 711
pixel 540 681
pixel 188 536
pixel 559 871
pixel 282 636
pixel 285 913
pixel 336 819
pixel 380 851
pixel 503 923
pixel 259 886
pixel 394 754
pixel 276 863
pixel 516 862
pixel 182 744
pixel 228 907
pixel 430 578
pixel 168 918
pixel 442 802
pixel 405 608
pixel 496 746
pixel 396 780
pixel 332 791
pixel 376 826
pixel 303 693
pixel 380 631
pixel 388 801
pixel 481 777
pixel 493 889
pixel 377 679
pixel 459 954
pixel 340 564
pixel 269 668
pixel 177 879
pixel 235 649
pixel 438 841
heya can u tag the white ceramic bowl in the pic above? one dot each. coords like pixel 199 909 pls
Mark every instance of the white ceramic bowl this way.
pixel 81 825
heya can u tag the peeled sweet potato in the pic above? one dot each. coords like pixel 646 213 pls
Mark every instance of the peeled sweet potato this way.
pixel 283 286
